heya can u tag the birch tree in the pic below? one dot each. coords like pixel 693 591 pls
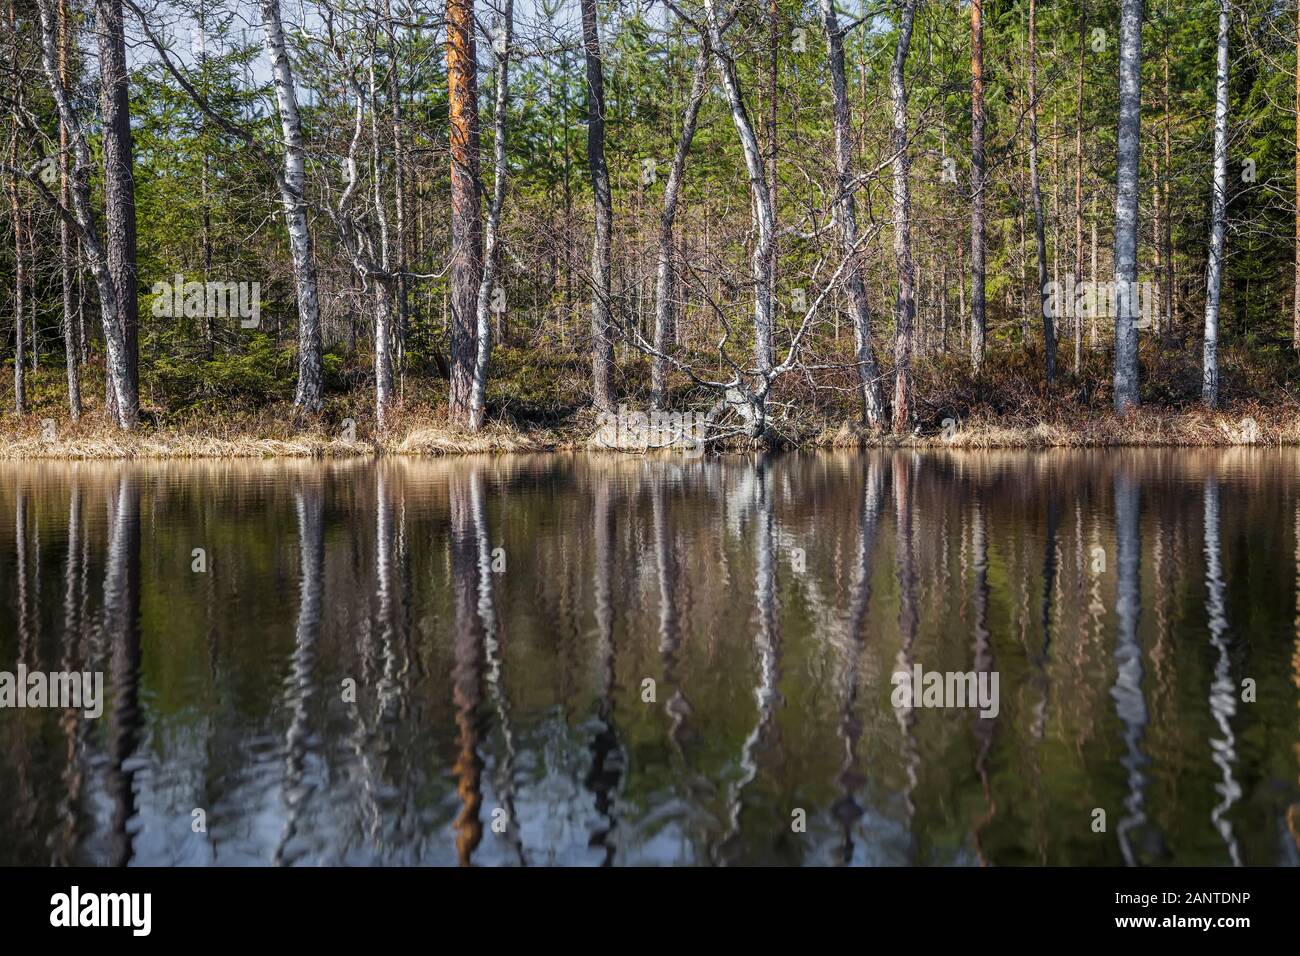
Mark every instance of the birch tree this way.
pixel 1126 204
pixel 905 305
pixel 1218 207
pixel 501 41
pixel 873 402
pixel 977 247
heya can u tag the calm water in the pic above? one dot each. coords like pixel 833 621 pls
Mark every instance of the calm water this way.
pixel 1122 598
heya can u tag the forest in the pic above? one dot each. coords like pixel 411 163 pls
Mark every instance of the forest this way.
pixel 471 224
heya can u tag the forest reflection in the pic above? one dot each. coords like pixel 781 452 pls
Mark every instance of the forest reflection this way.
pixel 595 660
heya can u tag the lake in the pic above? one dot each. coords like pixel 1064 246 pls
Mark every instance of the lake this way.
pixel 589 660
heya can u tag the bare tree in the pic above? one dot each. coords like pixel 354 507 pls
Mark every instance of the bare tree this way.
pixel 665 304
pixel 602 342
pixel 873 402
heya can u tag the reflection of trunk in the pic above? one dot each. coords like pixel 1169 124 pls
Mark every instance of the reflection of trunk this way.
pixel 983 650
pixel 487 615
pixel 119 205
pixel 873 401
pixel 1223 693
pixel 467 689
pixel 1126 203
pixel 122 626
pixel 602 342
pixel 977 184
pixel 466 219
pixel 311 384
pixel 1214 271
pixel 71 721
pixel 1130 704
pixel 491 255
pixel 309 503
pixel 665 301
pixel 846 809
pixel 905 571
pixel 905 307
pixel 677 707
pixel 606 757
pixel 1049 335
pixel 767 644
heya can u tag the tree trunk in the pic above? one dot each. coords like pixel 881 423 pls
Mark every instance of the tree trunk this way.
pixel 904 307
pixel 71 324
pixel 977 321
pixel 873 401
pixel 665 298
pixel 466 215
pixel 1214 271
pixel 491 255
pixel 119 203
pixel 311 376
pixel 1126 204
pixel 602 342
pixel 1078 182
pixel 761 198
pixel 1049 334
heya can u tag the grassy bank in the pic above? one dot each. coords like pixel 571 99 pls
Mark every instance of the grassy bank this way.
pixel 543 407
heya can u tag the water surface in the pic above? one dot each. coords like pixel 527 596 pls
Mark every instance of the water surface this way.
pixel 657 661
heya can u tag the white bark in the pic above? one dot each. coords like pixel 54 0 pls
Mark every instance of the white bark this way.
pixel 1126 204
pixel 1214 272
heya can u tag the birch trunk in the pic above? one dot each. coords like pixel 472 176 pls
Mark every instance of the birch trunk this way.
pixel 311 377
pixel 873 401
pixel 1049 334
pixel 1214 272
pixel 761 199
pixel 905 306
pixel 1126 204
pixel 665 304
pixel 977 321
pixel 71 325
pixel 491 254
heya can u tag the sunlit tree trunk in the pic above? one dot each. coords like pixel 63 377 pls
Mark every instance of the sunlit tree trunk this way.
pixel 1218 210
pixel 71 325
pixel 873 402
pixel 491 254
pixel 311 377
pixel 466 215
pixel 1126 205
pixel 1049 335
pixel 665 293
pixel 977 251
pixel 602 342
pixel 905 305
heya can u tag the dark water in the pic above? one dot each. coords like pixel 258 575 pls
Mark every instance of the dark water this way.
pixel 1122 599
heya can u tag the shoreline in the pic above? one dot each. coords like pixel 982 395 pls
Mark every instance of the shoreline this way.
pixel 1152 427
